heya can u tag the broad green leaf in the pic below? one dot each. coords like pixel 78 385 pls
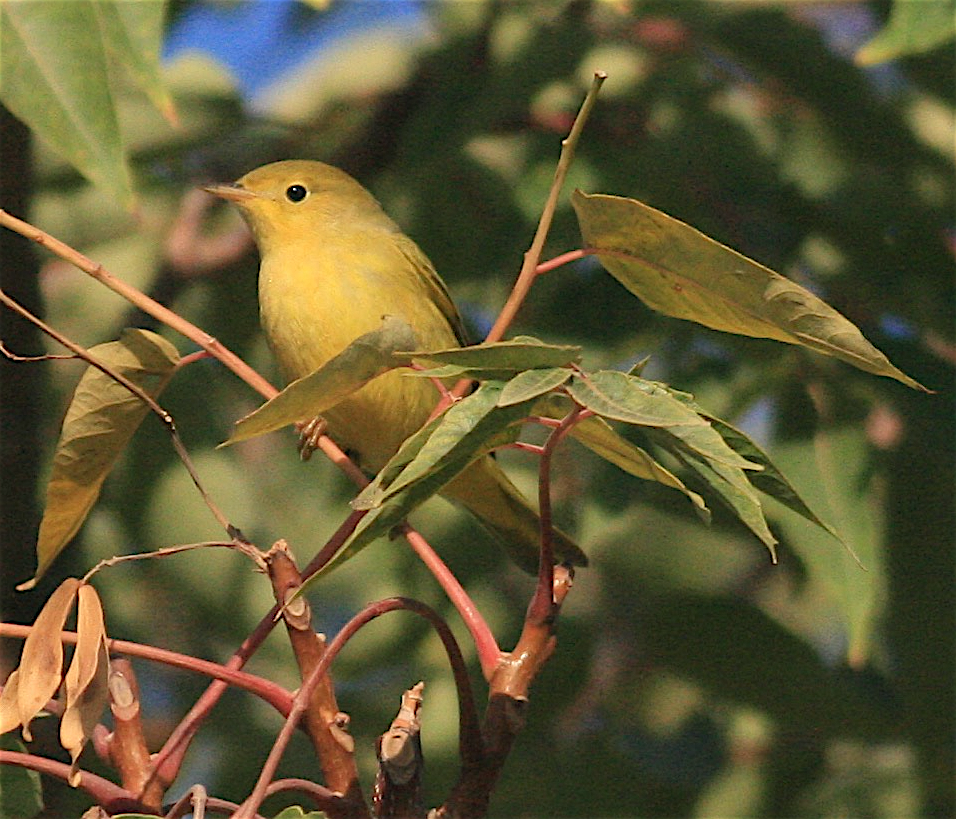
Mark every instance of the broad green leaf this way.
pixel 133 35
pixel 462 429
pixel 770 480
pixel 55 77
pixel 368 356
pixel 728 483
pixel 914 27
pixel 517 354
pixel 834 469
pixel 447 372
pixel 598 436
pixel 532 384
pixel 372 495
pixel 102 417
pixel 21 795
pixel 634 400
pixel 294 811
pixel 677 270
pixel 467 431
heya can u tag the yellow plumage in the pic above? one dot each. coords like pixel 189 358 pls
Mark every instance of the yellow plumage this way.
pixel 333 264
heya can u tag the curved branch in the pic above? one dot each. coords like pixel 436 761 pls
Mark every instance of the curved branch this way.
pixel 470 734
pixel 107 794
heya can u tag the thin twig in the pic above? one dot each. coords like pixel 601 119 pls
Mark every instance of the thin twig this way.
pixel 533 255
pixel 165 418
pixel 168 551
pixel 29 359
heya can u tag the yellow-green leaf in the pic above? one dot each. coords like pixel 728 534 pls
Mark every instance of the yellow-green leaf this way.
pixel 677 270
pixel 55 77
pixel 532 384
pixel 440 451
pixel 368 356
pixel 634 400
pixel 517 354
pixel 730 484
pixel 102 417
pixel 133 35
pixel 598 436
pixel 914 27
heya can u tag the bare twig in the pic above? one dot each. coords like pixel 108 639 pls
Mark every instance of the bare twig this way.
pixel 108 795
pixel 167 551
pixel 533 255
pixel 141 394
pixel 542 606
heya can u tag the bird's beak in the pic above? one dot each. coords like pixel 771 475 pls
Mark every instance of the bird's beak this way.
pixel 233 192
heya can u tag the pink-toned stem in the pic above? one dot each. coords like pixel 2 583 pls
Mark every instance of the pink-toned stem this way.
pixel 487 647
pixel 270 692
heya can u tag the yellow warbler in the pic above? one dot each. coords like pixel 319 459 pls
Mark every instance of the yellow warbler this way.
pixel 333 264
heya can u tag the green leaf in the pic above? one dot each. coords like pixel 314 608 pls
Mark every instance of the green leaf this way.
pixel 133 35
pixel 101 419
pixel 296 812
pixel 515 355
pixel 467 431
pixel 55 77
pixel 677 270
pixel 448 372
pixel 366 357
pixel 598 436
pixel 634 400
pixel 770 480
pixel 834 468
pixel 373 494
pixel 532 384
pixel 21 796
pixel 914 27
pixel 728 483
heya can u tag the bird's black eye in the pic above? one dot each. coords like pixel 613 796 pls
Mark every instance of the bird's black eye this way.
pixel 296 193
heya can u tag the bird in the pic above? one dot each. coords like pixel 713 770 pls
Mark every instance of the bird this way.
pixel 332 264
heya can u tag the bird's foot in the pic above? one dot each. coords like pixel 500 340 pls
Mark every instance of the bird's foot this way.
pixel 309 434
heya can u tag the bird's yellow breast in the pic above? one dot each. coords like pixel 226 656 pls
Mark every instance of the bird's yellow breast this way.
pixel 319 293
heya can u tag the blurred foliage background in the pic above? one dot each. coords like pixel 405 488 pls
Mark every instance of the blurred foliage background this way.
pixel 693 678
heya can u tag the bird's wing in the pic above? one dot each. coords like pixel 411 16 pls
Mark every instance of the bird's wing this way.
pixel 434 285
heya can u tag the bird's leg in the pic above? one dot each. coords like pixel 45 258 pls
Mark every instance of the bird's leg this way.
pixel 309 434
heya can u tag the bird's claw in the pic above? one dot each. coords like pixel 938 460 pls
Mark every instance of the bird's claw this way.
pixel 309 434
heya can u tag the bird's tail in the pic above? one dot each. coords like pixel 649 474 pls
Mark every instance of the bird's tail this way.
pixel 485 490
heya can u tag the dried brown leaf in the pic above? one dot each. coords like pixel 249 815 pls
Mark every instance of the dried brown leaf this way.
pixel 41 665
